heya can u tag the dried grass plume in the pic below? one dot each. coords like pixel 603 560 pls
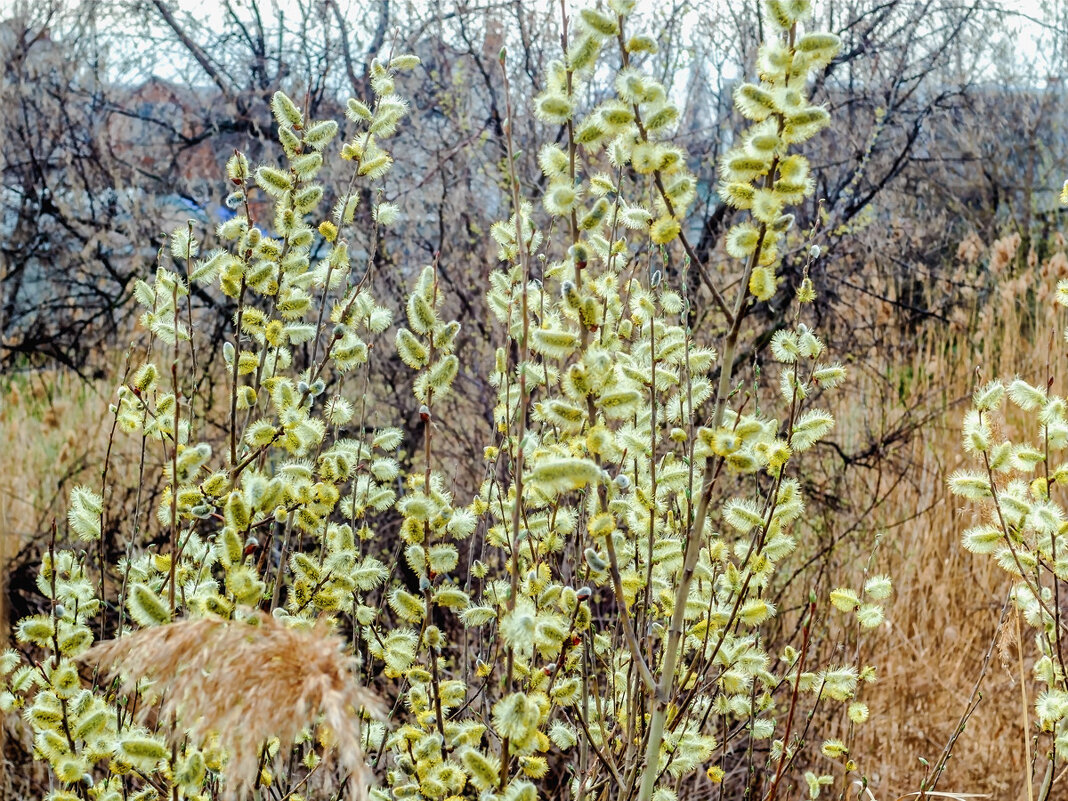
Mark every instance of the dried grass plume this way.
pixel 247 682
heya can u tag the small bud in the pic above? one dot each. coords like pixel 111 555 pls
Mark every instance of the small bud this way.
pixel 806 293
pixel 571 295
pixel 580 254
pixel 237 168
pixel 550 669
pixel 424 413
pixel 594 560
pixel 584 594
pixel 328 230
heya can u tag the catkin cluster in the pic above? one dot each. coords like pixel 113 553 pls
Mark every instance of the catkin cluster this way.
pixel 272 516
pixel 611 622
pixel 591 623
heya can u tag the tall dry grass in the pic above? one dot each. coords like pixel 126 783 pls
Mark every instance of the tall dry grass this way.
pixel 48 424
pixel 948 604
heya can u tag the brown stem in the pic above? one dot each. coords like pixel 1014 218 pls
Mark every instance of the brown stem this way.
pixel 793 705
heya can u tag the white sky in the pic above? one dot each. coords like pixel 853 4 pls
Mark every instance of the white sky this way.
pixel 1027 25
pixel 1023 33
pixel 212 11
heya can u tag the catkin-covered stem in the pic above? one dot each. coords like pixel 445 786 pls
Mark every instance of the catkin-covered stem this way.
pixel 695 532
pixel 521 413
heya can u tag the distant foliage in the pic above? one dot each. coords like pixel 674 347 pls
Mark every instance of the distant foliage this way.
pixel 592 622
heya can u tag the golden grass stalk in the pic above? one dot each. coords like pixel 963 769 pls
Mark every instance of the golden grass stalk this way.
pixel 246 682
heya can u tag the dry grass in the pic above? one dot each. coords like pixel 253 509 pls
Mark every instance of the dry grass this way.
pixel 948 602
pixel 930 654
pixel 48 424
pixel 246 683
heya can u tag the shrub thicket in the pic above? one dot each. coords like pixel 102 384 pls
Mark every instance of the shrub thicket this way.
pixel 594 622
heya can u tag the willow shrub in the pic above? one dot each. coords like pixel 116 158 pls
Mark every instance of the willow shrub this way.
pixel 608 640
